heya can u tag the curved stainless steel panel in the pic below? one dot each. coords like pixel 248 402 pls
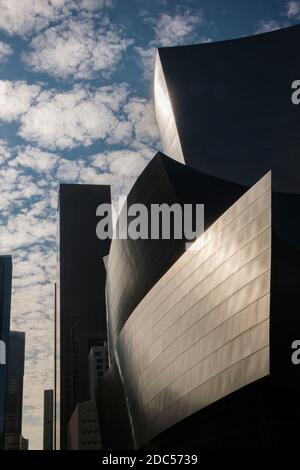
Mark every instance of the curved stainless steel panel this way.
pixel 134 266
pixel 202 331
pixel 165 116
pixel 227 105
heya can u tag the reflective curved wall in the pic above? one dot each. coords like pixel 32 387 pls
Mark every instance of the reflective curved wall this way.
pixel 203 330
pixel 165 116
pixel 134 266
pixel 231 109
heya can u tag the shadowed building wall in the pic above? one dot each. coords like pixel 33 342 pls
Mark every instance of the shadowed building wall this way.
pixel 48 420
pixel 14 401
pixel 81 313
pixel 5 300
pixel 225 107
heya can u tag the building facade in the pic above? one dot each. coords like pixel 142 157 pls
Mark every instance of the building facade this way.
pixel 5 301
pixel 202 331
pixel 48 420
pixel 200 339
pixel 221 107
pixel 24 443
pixel 98 365
pixel 134 267
pixel 80 312
pixel 84 433
pixel 14 400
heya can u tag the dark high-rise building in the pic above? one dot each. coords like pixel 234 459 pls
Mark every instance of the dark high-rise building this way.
pixel 83 429
pixel 5 299
pixel 14 401
pixel 81 315
pixel 48 420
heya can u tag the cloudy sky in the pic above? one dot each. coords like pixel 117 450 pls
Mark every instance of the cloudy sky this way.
pixel 76 106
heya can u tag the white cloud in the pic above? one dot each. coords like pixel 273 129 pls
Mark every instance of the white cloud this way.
pixel 141 114
pixel 55 119
pixel 184 27
pixel 25 16
pixel 118 168
pixel 268 26
pixel 68 170
pixel 76 117
pixel 147 58
pixel 35 159
pixel 5 51
pixel 4 152
pixel 172 30
pixel 293 10
pixel 128 163
pixel 78 49
pixel 16 98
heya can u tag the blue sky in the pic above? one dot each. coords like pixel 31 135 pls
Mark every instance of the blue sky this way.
pixel 76 106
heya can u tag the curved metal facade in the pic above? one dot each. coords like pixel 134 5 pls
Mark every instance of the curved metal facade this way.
pixel 200 336
pixel 134 266
pixel 165 116
pixel 231 107
pixel 203 330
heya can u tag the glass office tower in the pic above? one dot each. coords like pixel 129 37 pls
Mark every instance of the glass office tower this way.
pixel 5 300
pixel 80 313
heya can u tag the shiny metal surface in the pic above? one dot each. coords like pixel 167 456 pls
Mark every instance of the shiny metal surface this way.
pixel 135 266
pixel 227 120
pixel 164 115
pixel 202 331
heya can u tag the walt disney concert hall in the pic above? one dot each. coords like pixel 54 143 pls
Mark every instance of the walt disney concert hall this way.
pixel 201 338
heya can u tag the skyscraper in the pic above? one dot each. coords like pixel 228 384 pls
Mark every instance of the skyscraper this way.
pixel 5 299
pixel 14 402
pixel 48 420
pixel 81 316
